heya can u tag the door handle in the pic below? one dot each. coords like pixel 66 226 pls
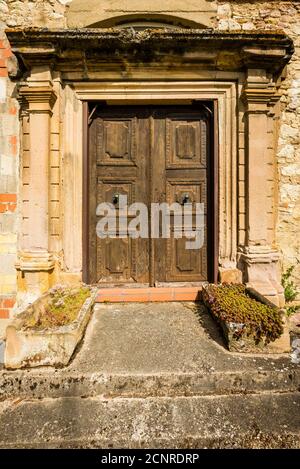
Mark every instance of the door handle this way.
pixel 185 199
pixel 115 199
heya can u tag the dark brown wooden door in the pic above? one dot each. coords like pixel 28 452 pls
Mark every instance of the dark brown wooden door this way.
pixel 151 155
pixel 120 152
pixel 180 175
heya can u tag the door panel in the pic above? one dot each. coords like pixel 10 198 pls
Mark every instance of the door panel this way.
pixel 158 154
pixel 185 141
pixel 121 140
pixel 181 150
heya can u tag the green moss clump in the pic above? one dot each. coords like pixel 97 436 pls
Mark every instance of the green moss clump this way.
pixel 60 310
pixel 231 304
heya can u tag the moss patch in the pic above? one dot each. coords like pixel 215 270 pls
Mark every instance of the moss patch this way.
pixel 60 309
pixel 231 304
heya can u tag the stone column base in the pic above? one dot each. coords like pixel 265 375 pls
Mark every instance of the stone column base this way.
pixel 260 265
pixel 35 274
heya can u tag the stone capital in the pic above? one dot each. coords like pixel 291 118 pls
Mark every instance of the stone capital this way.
pixel 259 254
pixel 35 261
pixel 259 99
pixel 39 99
pixel 259 91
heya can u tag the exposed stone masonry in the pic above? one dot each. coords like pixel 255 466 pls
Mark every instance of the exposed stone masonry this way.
pixel 240 15
pixel 234 15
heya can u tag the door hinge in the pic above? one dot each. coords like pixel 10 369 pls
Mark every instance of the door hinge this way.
pixel 94 109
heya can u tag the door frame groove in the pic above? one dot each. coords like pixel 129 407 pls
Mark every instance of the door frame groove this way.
pixel 151 240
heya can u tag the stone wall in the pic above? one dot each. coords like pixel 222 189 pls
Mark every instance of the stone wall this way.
pixel 233 15
pixel 9 151
pixel 237 15
pixel 25 13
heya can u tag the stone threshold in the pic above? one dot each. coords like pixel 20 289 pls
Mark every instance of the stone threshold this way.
pixel 149 294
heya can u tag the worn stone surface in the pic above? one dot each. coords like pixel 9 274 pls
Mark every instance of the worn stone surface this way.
pixel 154 349
pixel 153 338
pixel 3 325
pixel 82 13
pixel 230 275
pixel 194 422
pixel 153 376
pixel 249 345
pixel 36 384
pixel 295 337
pixel 295 319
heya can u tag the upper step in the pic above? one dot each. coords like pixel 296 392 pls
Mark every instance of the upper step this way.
pixel 64 383
pixel 154 349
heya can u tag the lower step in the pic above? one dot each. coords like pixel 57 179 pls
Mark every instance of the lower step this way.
pixel 266 420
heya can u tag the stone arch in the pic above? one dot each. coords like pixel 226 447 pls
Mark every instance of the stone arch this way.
pixel 146 21
pixel 114 13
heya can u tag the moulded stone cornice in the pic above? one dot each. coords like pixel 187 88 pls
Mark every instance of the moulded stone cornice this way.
pixel 81 47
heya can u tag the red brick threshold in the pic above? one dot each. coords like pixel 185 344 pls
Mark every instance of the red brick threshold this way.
pixel 143 295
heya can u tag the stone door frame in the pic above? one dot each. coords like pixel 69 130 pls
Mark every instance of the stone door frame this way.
pixel 242 72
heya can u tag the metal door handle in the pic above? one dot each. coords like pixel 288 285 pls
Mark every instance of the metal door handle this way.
pixel 115 199
pixel 185 199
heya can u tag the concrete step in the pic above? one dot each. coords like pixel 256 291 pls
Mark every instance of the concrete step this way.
pixel 36 384
pixel 269 420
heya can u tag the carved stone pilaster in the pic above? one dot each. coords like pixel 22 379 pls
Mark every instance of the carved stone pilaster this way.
pixel 35 263
pixel 259 257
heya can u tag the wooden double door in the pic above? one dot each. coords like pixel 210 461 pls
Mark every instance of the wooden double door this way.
pixel 153 154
